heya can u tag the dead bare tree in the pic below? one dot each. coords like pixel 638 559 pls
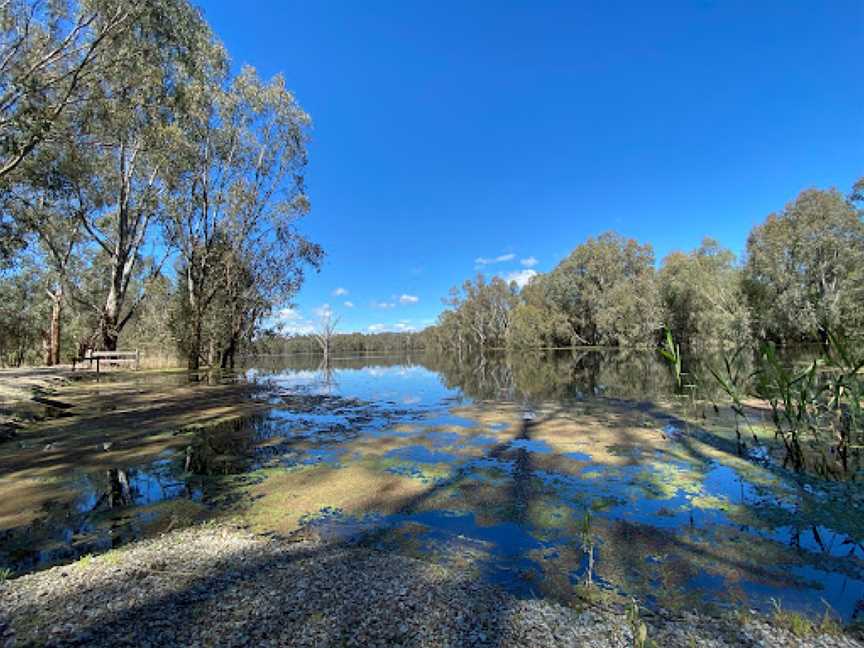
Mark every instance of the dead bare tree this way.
pixel 325 333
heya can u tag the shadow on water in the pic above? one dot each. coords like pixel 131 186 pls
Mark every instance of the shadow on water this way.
pixel 679 519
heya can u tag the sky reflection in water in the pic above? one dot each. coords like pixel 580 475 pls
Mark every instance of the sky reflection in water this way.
pixel 505 498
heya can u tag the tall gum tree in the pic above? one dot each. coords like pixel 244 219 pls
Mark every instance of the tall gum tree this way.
pixel 131 130
pixel 233 218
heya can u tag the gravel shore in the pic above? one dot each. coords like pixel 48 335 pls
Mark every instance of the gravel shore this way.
pixel 218 585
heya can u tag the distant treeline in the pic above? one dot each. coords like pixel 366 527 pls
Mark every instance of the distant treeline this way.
pixel 341 343
pixel 802 275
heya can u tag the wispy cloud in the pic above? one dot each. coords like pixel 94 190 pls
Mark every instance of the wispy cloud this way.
pixel 521 277
pixel 529 262
pixel 484 261
pixel 340 292
pixel 289 314
pixel 349 304
pixel 324 310
pixel 402 326
pixel 408 299
pixel 290 321
pixel 384 305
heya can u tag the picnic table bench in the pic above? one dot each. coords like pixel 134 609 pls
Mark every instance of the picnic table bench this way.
pixel 109 358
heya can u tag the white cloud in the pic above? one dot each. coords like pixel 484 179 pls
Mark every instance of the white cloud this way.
pixel 521 277
pixel 340 292
pixel 299 328
pixel 530 262
pixel 383 304
pixel 482 261
pixel 408 299
pixel 349 304
pixel 402 326
pixel 324 310
pixel 290 314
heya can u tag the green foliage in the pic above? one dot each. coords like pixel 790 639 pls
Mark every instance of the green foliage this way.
pixel 604 293
pixel 5 574
pixel 586 538
pixel 829 624
pixel 608 290
pixel 671 352
pixel 480 316
pixel 804 274
pixel 155 151
pixel 703 296
pixel 805 269
pixel 798 624
pixel 21 320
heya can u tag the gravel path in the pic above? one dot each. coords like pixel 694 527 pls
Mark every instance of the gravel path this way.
pixel 217 585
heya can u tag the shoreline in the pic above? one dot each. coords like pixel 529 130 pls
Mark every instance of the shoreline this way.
pixel 220 584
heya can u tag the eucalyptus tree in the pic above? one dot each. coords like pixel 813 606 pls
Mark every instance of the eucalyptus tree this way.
pixel 805 269
pixel 234 215
pixel 607 289
pixel 131 131
pixel 47 203
pixel 480 318
pixel 537 321
pixel 53 54
pixel 704 297
pixel 22 317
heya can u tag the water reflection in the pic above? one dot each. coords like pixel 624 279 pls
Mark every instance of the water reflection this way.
pixel 492 465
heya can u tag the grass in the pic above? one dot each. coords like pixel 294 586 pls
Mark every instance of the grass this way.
pixel 86 560
pixel 798 624
pixel 829 624
pixel 638 627
pixel 6 574
pixel 112 557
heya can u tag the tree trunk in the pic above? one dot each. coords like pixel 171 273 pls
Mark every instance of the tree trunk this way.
pixel 108 332
pixel 111 312
pixel 194 354
pixel 56 311
pixel 46 347
pixel 228 354
pixel 194 357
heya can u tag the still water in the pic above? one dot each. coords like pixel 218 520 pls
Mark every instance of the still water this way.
pixel 537 473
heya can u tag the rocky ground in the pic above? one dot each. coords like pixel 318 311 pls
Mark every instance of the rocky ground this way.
pixel 218 585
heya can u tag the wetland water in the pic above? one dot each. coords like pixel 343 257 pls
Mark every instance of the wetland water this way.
pixel 491 466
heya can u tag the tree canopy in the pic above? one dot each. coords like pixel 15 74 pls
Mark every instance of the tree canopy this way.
pixel 131 155
pixel 803 275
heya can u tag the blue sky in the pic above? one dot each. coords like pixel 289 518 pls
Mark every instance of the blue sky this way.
pixel 456 136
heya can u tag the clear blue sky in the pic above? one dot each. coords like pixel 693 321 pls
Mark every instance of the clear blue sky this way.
pixel 451 131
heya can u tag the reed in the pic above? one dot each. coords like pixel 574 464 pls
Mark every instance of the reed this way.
pixel 816 410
